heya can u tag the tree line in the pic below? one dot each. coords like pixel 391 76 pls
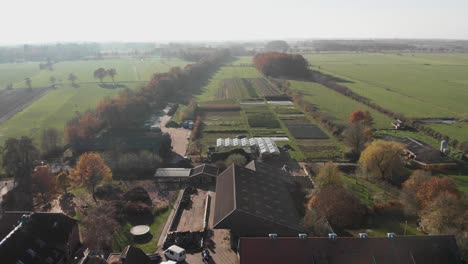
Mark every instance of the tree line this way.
pixel 130 106
pixel 278 64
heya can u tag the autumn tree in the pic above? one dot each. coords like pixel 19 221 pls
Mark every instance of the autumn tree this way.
pixel 90 171
pixel 339 206
pixel 99 226
pixel 43 182
pixel 281 64
pixel 100 74
pixel 356 137
pixel 410 187
pixel 430 190
pixel 448 215
pixel 63 181
pixel 50 140
pixel 316 223
pixel 237 159
pixel 360 116
pixel 383 160
pixel 329 175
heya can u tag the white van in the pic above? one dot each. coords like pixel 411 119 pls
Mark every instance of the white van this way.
pixel 175 253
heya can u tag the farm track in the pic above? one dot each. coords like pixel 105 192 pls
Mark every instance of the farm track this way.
pixel 15 101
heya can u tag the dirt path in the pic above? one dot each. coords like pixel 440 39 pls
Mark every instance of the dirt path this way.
pixel 179 136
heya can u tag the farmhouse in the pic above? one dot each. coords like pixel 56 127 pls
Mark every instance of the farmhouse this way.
pixel 318 250
pixel 422 155
pixel 255 201
pixel 38 238
pixel 201 174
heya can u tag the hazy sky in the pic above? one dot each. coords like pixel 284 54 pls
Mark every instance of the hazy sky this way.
pixel 26 21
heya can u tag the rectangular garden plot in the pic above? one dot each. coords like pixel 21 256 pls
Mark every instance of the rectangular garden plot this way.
pixel 301 128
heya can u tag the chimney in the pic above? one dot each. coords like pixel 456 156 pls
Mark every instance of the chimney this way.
pixel 332 235
pixel 363 235
pixel 302 236
pixel 273 236
pixel 391 235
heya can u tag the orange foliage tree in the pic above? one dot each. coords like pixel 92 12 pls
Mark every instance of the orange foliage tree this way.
pixel 281 64
pixel 431 189
pixel 361 117
pixel 340 207
pixel 43 182
pixel 90 171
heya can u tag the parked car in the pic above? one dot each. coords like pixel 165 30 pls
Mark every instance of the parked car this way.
pixel 175 253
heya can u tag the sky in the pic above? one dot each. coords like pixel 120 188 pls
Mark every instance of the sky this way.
pixel 41 21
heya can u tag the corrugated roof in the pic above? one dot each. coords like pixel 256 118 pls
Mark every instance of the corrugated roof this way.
pixel 259 197
pixel 172 172
pixel 400 249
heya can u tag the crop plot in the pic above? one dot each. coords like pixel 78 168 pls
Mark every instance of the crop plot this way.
pixel 301 128
pixel 264 87
pixel 236 88
pixel 324 149
pixel 11 102
pixel 261 117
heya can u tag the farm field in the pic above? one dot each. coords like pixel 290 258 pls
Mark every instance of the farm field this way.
pixel 209 92
pixel 60 105
pixel 458 131
pixel 15 100
pixel 337 105
pixel 417 85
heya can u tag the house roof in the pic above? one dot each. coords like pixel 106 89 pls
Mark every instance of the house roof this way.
pixel 172 172
pixel 38 237
pixel 400 249
pixel 206 169
pixel 253 202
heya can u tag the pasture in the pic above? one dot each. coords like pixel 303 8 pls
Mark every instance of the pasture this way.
pixel 61 104
pixel 338 106
pixel 417 85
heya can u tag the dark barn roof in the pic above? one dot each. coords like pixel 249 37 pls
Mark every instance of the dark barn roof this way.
pixel 400 249
pixel 205 169
pixel 44 235
pixel 254 202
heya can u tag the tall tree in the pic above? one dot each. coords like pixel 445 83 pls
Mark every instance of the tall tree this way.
pixel 50 140
pixel 43 182
pixel 363 117
pixel 410 187
pixel 18 162
pixel 383 160
pixel 99 226
pixel 72 78
pixel 430 190
pixel 356 137
pixel 28 82
pixel 90 171
pixel 339 206
pixel 329 175
pixel 112 72
pixel 100 74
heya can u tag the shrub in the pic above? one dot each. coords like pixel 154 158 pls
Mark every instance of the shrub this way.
pixel 137 208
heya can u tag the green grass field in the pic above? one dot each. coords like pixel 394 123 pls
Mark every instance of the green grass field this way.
pixel 60 105
pixel 417 85
pixel 336 104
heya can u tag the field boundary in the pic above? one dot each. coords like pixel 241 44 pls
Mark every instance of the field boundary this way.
pixel 20 108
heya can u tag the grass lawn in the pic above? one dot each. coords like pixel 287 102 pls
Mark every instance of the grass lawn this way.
pixel 417 85
pixel 368 193
pixel 123 238
pixel 336 104
pixel 60 105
